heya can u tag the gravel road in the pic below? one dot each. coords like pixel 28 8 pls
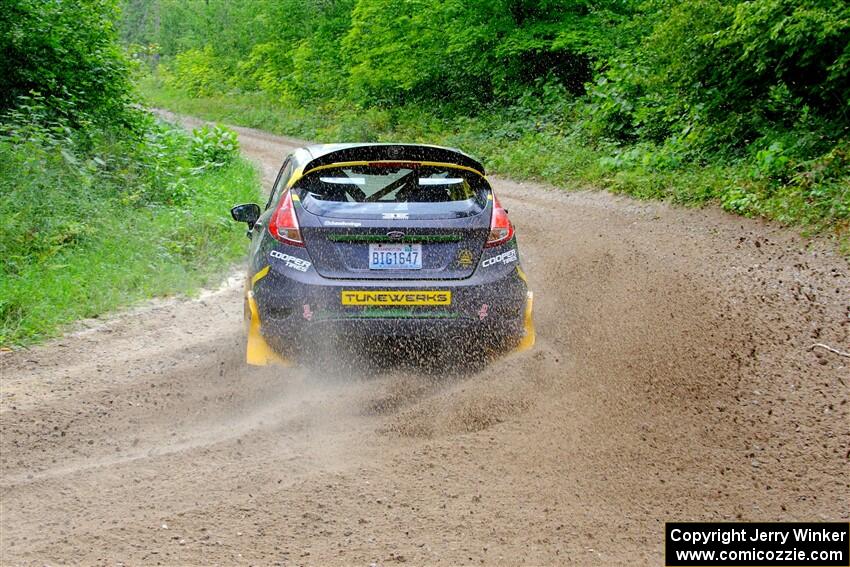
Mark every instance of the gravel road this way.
pixel 673 379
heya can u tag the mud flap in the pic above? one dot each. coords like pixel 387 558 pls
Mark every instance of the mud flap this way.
pixel 529 337
pixel 258 352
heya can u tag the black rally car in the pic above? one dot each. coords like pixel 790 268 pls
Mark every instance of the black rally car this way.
pixel 385 241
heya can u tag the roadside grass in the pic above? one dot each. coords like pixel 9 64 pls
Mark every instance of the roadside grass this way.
pixel 121 253
pixel 528 147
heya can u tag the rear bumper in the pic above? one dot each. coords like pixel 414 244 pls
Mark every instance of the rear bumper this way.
pixel 300 308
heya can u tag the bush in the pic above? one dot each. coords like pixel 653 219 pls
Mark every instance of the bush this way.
pixel 213 147
pixel 95 217
pixel 124 254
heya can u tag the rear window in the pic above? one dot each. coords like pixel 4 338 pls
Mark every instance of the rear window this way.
pixel 393 191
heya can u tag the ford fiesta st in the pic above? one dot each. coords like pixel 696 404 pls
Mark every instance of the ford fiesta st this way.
pixel 383 242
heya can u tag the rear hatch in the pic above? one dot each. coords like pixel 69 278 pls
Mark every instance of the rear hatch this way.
pixel 394 220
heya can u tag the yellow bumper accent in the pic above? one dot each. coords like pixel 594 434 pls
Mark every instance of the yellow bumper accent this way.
pixel 528 340
pixel 260 275
pixel 259 353
pixel 522 275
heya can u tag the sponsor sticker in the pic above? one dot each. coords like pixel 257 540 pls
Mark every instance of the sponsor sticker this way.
pixel 503 258
pixel 388 297
pixel 464 258
pixel 291 261
pixel 342 223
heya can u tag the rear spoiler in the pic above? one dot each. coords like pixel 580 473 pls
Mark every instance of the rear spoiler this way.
pixel 396 152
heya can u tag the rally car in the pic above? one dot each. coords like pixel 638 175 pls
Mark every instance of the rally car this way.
pixel 382 242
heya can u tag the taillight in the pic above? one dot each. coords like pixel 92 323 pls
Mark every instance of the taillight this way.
pixel 284 224
pixel 501 229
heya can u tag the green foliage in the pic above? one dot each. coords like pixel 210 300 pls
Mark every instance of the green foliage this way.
pixel 120 255
pixel 731 73
pixel 402 51
pixel 198 72
pixel 526 143
pixel 97 220
pixel 800 45
pixel 779 186
pixel 214 146
pixel 102 204
pixel 472 52
pixel 656 93
pixel 67 51
pixel 386 51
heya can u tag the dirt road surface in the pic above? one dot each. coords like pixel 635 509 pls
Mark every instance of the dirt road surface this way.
pixel 673 379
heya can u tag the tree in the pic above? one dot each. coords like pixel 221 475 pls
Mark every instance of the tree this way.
pixel 66 50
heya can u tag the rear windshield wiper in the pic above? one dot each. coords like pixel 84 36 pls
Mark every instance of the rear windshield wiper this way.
pixel 390 188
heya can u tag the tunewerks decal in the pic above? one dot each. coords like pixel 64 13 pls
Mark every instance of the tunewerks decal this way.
pixel 389 297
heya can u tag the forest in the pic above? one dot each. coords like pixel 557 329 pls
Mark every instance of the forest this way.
pixel 743 104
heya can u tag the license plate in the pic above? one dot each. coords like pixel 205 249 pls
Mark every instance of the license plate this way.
pixel 395 256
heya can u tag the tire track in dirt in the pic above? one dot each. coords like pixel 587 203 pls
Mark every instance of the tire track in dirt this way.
pixel 672 380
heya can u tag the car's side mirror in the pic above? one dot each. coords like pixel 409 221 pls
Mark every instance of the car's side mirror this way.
pixel 248 212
